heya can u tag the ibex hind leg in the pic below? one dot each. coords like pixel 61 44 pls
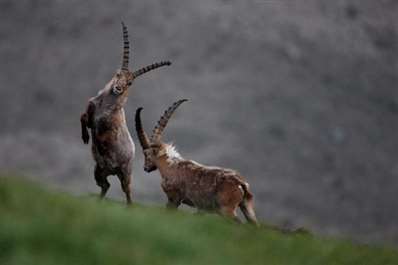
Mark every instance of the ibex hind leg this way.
pixel 228 198
pixel 247 208
pixel 125 182
pixel 101 180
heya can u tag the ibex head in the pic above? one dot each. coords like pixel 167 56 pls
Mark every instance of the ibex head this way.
pixel 116 90
pixel 154 147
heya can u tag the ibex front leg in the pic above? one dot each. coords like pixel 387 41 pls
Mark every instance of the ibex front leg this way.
pixel 86 121
pixel 173 202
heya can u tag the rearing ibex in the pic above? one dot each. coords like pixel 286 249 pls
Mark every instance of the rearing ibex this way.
pixel 112 146
pixel 185 181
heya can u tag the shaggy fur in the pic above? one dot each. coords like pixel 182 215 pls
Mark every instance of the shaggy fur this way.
pixel 185 181
pixel 112 146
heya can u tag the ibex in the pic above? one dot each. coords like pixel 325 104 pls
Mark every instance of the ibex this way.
pixel 185 181
pixel 112 146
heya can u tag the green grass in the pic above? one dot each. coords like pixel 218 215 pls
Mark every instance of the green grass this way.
pixel 42 227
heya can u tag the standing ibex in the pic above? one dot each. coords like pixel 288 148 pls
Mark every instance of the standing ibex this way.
pixel 112 146
pixel 185 181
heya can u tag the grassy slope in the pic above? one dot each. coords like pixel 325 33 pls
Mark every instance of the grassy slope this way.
pixel 39 227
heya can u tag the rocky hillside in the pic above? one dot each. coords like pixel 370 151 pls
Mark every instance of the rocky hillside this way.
pixel 299 97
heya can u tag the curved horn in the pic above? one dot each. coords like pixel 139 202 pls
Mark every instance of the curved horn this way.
pixel 144 141
pixel 126 48
pixel 158 130
pixel 150 68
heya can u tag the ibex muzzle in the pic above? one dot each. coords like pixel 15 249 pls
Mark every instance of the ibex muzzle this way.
pixel 112 146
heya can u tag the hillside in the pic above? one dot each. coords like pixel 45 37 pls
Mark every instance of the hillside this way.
pixel 298 96
pixel 42 227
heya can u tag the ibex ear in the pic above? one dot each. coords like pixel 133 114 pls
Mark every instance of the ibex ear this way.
pixel 130 78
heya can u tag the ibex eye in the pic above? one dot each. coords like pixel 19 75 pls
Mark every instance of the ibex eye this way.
pixel 129 83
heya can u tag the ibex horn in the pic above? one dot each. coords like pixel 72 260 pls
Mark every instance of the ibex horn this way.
pixel 143 138
pixel 158 130
pixel 126 48
pixel 150 68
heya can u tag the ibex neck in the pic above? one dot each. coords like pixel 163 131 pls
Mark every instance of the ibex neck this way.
pixel 169 160
pixel 118 116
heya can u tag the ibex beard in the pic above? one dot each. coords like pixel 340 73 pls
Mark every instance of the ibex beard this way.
pixel 185 181
pixel 112 146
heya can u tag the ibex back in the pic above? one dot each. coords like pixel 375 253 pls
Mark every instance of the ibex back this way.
pixel 112 145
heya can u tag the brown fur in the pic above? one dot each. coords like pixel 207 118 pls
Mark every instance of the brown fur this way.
pixel 112 146
pixel 206 188
pixel 185 181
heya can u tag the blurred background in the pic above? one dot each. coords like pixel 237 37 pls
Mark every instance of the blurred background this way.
pixel 299 96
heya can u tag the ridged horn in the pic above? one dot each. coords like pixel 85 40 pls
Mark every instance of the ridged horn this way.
pixel 158 130
pixel 143 138
pixel 150 68
pixel 126 48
